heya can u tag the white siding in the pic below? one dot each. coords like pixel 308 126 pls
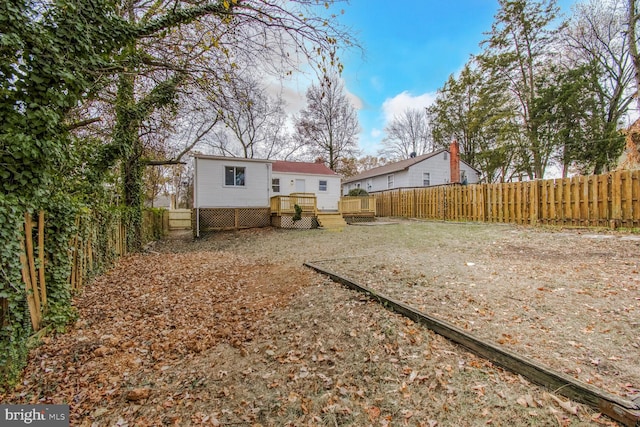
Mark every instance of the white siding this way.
pixel 437 166
pixel 326 200
pixel 211 191
pixel 472 175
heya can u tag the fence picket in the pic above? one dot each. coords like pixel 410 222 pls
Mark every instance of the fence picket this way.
pixel 41 266
pixel 34 309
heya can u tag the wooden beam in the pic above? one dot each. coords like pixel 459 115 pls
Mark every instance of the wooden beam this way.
pixel 28 237
pixel 41 271
pixel 26 277
pixel 617 408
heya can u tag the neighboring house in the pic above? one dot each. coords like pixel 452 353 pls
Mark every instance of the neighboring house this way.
pixel 437 168
pixel 233 182
pixel 160 201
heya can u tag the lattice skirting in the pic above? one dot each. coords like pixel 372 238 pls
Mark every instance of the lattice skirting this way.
pixel 286 221
pixel 233 218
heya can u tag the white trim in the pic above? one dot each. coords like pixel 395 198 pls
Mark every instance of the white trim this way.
pixel 195 195
pixel 232 159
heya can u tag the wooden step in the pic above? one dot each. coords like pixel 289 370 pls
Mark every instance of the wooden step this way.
pixel 331 221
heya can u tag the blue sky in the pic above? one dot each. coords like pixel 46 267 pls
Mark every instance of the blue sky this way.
pixel 411 48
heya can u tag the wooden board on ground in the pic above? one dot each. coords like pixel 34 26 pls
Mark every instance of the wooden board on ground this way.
pixel 624 411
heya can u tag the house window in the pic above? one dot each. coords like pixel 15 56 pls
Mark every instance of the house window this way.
pixel 234 176
pixel 275 185
pixel 322 186
pixel 369 185
pixel 445 155
pixel 463 177
pixel 389 181
pixel 426 179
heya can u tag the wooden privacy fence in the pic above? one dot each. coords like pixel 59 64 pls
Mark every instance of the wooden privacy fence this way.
pixel 611 200
pixel 82 252
pixel 82 248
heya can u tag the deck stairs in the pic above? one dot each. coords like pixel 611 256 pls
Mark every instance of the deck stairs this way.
pixel 331 221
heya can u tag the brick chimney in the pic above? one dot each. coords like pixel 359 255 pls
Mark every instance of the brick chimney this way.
pixel 454 159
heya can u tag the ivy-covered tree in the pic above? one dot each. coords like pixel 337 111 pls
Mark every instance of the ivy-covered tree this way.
pixel 51 57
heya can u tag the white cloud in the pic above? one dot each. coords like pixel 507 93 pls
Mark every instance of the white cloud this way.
pixel 376 133
pixel 395 106
pixel 355 100
pixel 294 90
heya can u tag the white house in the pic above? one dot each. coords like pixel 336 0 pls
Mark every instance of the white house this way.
pixel 233 182
pixel 436 168
pixel 302 177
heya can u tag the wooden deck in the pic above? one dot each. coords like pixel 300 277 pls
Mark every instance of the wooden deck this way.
pixel 350 209
pixel 357 206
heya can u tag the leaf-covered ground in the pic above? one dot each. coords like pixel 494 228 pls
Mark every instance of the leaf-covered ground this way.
pixel 232 330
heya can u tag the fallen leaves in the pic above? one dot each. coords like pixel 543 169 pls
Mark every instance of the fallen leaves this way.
pixel 208 335
pixel 137 394
pixel 566 405
pixel 149 314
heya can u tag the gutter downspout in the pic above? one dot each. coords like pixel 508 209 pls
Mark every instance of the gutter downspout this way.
pixel 195 195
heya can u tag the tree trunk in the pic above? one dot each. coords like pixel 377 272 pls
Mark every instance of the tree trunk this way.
pixel 126 138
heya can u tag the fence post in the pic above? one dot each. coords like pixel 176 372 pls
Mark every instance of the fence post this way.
pixel 534 202
pixel 28 273
pixel 616 200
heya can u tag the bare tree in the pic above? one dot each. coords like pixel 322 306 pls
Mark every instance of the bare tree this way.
pixel 633 134
pixel 406 134
pixel 632 21
pixel 596 37
pixel 329 124
pixel 252 122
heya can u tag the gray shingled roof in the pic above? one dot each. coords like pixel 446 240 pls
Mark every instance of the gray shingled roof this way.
pixel 392 167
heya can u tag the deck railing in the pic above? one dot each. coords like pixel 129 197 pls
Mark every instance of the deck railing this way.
pixel 286 204
pixel 355 205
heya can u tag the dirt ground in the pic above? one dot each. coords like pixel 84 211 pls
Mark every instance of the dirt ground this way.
pixel 231 329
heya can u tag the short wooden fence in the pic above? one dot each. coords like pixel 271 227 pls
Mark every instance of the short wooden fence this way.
pixel 82 253
pixel 611 200
pixel 357 205
pixel 179 219
pixel 32 262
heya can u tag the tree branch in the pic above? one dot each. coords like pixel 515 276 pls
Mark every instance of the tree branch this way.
pixel 82 123
pixel 178 158
pixel 182 16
